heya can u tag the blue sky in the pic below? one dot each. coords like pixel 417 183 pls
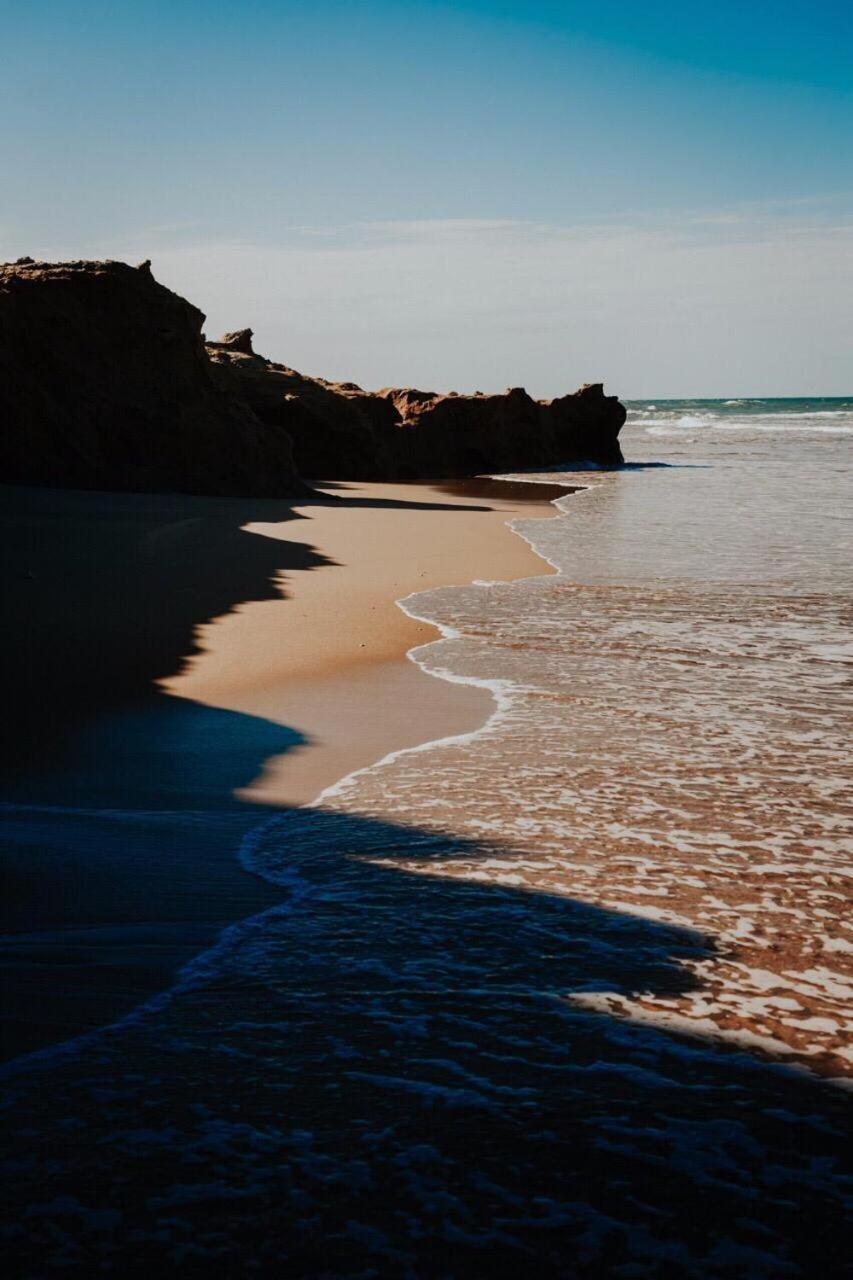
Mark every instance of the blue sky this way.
pixel 423 166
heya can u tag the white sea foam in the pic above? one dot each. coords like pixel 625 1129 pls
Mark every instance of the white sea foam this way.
pixel 744 417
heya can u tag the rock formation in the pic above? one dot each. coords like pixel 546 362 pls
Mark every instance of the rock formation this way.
pixel 340 431
pixel 105 384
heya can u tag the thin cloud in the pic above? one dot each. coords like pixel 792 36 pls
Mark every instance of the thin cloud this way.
pixel 708 302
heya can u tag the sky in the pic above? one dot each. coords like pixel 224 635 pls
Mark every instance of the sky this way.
pixel 462 195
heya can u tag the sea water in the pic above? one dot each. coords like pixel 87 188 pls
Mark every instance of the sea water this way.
pixel 565 995
pixel 672 728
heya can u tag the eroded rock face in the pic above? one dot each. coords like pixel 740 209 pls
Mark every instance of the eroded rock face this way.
pixel 456 434
pixel 401 433
pixel 337 429
pixel 105 384
pixel 240 340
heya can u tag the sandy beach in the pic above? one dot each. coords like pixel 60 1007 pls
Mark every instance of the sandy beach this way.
pixel 328 658
pixel 195 664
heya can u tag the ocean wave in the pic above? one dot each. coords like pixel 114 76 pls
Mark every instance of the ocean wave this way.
pixel 688 416
pixel 684 421
pixel 827 422
pixel 810 413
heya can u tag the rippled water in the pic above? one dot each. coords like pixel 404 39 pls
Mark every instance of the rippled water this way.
pixel 543 996
pixel 673 731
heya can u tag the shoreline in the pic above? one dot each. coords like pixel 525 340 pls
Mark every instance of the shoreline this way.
pixel 130 788
pixel 354 700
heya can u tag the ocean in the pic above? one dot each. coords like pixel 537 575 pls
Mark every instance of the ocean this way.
pixel 568 993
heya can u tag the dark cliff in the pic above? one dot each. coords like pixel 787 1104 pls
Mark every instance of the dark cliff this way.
pixel 105 384
pixel 401 433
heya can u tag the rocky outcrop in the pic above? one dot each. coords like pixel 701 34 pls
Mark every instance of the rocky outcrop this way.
pixel 240 340
pixel 337 429
pixel 455 434
pixel 105 384
pixel 401 433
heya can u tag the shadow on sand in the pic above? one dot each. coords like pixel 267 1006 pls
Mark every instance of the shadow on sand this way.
pixel 119 822
pixel 377 1072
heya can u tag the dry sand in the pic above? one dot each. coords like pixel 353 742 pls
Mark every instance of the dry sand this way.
pixel 328 656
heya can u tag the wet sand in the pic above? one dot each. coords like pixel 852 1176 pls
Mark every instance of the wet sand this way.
pixel 178 669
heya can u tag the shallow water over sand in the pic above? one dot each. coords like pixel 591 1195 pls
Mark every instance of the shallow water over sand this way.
pixel 672 738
